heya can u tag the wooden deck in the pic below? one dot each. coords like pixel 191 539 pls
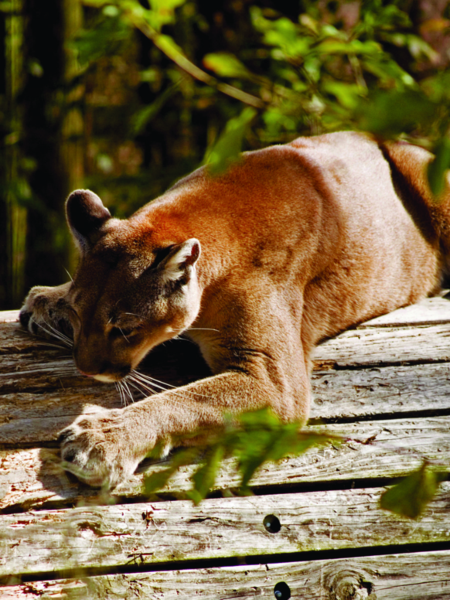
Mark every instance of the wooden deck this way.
pixel 384 385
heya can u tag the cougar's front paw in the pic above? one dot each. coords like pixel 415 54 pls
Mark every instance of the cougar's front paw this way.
pixel 98 449
pixel 44 313
pixel 34 308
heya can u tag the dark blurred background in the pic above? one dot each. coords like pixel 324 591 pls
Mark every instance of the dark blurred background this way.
pixel 125 97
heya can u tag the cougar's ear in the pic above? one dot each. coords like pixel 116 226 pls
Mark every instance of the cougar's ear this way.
pixel 179 263
pixel 85 215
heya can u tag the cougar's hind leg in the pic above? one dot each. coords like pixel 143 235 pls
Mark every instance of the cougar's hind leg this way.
pixel 409 173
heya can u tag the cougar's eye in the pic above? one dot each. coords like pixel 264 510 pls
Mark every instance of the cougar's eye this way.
pixel 125 332
pixel 129 330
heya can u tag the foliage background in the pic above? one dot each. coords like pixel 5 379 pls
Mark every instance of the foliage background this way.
pixel 125 97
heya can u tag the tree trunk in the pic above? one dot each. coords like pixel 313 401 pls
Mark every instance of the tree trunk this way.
pixel 52 136
pixel 12 213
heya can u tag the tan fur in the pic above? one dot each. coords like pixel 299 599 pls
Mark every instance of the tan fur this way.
pixel 298 242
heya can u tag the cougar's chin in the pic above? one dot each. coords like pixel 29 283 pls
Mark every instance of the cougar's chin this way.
pixel 107 378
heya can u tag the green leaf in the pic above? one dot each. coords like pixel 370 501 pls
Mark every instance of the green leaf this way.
pixel 253 438
pixel 348 47
pixel 307 439
pixel 204 478
pixel 283 34
pixel 148 113
pixel 263 418
pixel 166 5
pixel 285 440
pixel 266 438
pixel 276 121
pixel 410 497
pixel 96 3
pixel 162 12
pixel 437 168
pixel 107 37
pixel 348 94
pixel 6 7
pixel 225 65
pixel 156 481
pixel 387 71
pixel 394 112
pixel 111 11
pixel 416 45
pixel 227 149
pixel 255 453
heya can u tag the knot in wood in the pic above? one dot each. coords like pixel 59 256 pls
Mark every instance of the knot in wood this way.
pixel 349 585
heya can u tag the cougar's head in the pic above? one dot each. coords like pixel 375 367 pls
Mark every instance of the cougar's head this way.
pixel 132 291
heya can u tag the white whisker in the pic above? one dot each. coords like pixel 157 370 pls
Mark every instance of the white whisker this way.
pixel 165 389
pixel 135 385
pixel 52 332
pixel 60 334
pixel 127 389
pixel 123 393
pixel 145 388
pixel 119 389
pixel 141 384
pixel 202 329
pixel 56 371
pixel 148 387
pixel 50 345
pixel 146 380
pixel 125 337
pixel 155 382
pixel 149 379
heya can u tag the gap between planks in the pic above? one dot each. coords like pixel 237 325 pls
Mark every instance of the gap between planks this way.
pixel 374 450
pixel 351 395
pixel 111 536
pixel 424 575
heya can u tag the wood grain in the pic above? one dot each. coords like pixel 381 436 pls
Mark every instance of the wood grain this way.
pixel 9 316
pixel 372 346
pixel 41 392
pixel 110 536
pixel 391 366
pixel 33 477
pixel 424 575
pixel 36 417
pixel 356 393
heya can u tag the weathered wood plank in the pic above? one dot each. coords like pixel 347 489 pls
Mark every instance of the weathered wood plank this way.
pixel 15 340
pixel 35 416
pixel 382 331
pixel 347 394
pixel 424 575
pixel 34 477
pixel 36 379
pixel 9 316
pixel 379 346
pixel 359 347
pixel 28 426
pixel 109 536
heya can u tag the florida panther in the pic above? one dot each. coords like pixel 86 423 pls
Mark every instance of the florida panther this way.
pixel 293 244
